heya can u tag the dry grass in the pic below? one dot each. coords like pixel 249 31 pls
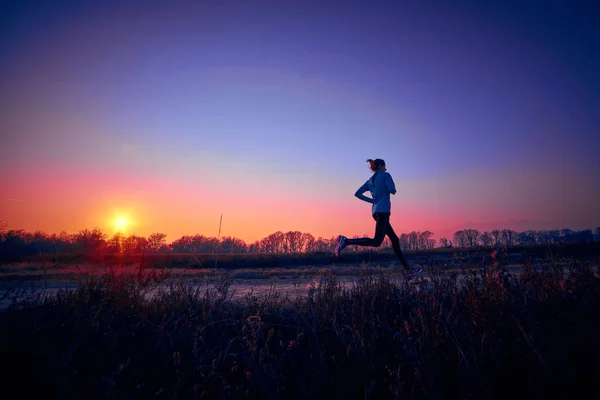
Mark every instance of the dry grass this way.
pixel 491 334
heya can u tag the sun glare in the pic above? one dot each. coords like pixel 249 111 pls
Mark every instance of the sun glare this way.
pixel 121 223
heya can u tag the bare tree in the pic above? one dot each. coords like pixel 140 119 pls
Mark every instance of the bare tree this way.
pixel 156 241
pixel 554 236
pixel 426 241
pixel 527 237
pixel 209 244
pixel 413 240
pixel 460 239
pixel 566 235
pixel 115 243
pixel 254 247
pixel 497 237
pixel 232 245
pixel 444 242
pixel 472 236
pixel 321 244
pixel 135 244
pixel 274 243
pixel 543 237
pixel 404 241
pixel 293 242
pixel 309 242
pixel 91 240
pixel 508 237
pixel 486 239
pixel 534 236
pixel 325 245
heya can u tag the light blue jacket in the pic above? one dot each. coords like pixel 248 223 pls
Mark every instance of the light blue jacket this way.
pixel 381 185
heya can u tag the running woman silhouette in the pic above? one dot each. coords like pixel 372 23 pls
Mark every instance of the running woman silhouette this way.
pixel 381 185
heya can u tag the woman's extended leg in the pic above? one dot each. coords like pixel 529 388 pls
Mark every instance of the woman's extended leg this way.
pixel 381 227
pixel 382 219
pixel 396 245
pixel 409 271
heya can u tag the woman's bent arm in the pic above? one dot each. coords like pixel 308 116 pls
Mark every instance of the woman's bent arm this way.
pixel 360 195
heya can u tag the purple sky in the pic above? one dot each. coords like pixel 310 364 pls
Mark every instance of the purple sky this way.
pixel 487 115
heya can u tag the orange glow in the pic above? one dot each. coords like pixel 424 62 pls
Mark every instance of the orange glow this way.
pixel 142 204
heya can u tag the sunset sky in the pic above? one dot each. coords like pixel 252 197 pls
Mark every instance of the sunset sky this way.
pixel 171 113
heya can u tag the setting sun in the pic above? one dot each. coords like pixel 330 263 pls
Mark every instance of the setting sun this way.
pixel 121 223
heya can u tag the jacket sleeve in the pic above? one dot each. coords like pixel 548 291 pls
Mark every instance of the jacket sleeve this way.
pixel 389 183
pixel 360 195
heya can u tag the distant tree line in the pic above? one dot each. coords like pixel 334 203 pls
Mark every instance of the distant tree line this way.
pixel 508 237
pixel 14 243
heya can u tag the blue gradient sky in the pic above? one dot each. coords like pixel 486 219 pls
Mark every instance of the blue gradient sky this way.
pixel 174 112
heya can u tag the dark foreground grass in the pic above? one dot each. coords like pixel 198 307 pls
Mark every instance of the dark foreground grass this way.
pixel 492 335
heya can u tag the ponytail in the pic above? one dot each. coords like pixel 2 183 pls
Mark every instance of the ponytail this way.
pixel 372 165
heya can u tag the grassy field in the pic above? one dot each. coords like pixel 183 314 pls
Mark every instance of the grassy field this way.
pixel 48 266
pixel 478 333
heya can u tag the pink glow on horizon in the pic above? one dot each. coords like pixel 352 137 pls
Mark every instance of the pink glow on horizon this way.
pixel 58 199
pixel 53 199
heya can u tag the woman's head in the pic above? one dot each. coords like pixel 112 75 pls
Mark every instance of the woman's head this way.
pixel 377 164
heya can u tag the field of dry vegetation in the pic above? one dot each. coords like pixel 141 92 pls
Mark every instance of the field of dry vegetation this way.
pixel 489 332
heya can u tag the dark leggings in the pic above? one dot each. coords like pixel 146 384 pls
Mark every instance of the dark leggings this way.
pixel 382 228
